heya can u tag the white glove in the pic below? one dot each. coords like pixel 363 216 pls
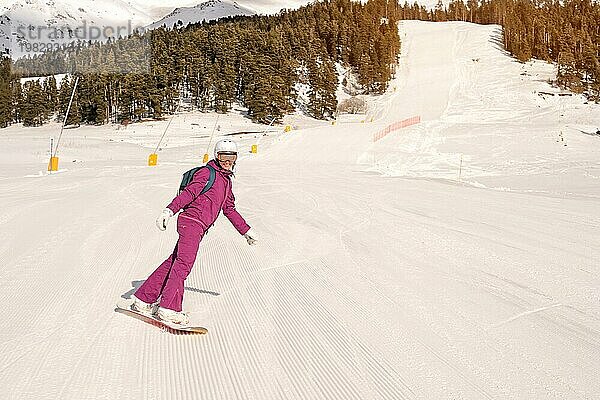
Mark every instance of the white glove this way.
pixel 251 237
pixel 163 219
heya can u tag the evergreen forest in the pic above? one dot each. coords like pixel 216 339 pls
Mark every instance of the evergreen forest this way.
pixel 260 62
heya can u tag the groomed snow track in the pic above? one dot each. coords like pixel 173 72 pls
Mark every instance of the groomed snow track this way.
pixel 407 286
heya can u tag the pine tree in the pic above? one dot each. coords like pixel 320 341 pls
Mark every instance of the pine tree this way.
pixel 6 100
pixel 224 48
pixel 17 98
pixel 323 85
pixel 51 94
pixel 440 12
pixel 33 109
pixel 568 75
pixel 93 103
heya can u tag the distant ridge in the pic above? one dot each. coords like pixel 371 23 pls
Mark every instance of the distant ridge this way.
pixel 207 11
pixel 21 22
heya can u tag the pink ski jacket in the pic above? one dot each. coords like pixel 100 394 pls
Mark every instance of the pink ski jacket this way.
pixel 205 208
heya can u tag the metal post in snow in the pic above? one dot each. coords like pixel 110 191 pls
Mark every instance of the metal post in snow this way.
pixel 166 129
pixel 212 133
pixel 263 132
pixel 51 151
pixel 66 117
pixel 268 126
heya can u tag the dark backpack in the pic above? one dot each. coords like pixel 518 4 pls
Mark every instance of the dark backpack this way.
pixel 189 176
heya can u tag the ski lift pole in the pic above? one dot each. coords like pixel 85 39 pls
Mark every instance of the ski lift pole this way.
pixel 53 165
pixel 153 158
pixel 206 156
pixel 255 145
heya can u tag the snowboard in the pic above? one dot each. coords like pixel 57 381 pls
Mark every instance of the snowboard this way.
pixel 125 308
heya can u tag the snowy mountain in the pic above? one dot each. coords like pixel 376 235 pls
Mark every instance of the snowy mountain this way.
pixel 160 8
pixel 30 26
pixel 207 11
pixel 157 9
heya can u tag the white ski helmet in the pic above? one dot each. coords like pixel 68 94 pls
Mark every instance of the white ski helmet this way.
pixel 225 146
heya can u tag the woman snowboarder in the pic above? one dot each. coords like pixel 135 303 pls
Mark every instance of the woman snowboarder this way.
pixel 202 200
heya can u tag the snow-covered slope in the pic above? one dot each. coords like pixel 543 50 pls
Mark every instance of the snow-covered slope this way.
pixel 207 11
pixel 378 275
pixel 496 122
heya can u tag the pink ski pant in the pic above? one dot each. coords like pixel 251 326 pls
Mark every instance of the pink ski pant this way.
pixel 167 282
